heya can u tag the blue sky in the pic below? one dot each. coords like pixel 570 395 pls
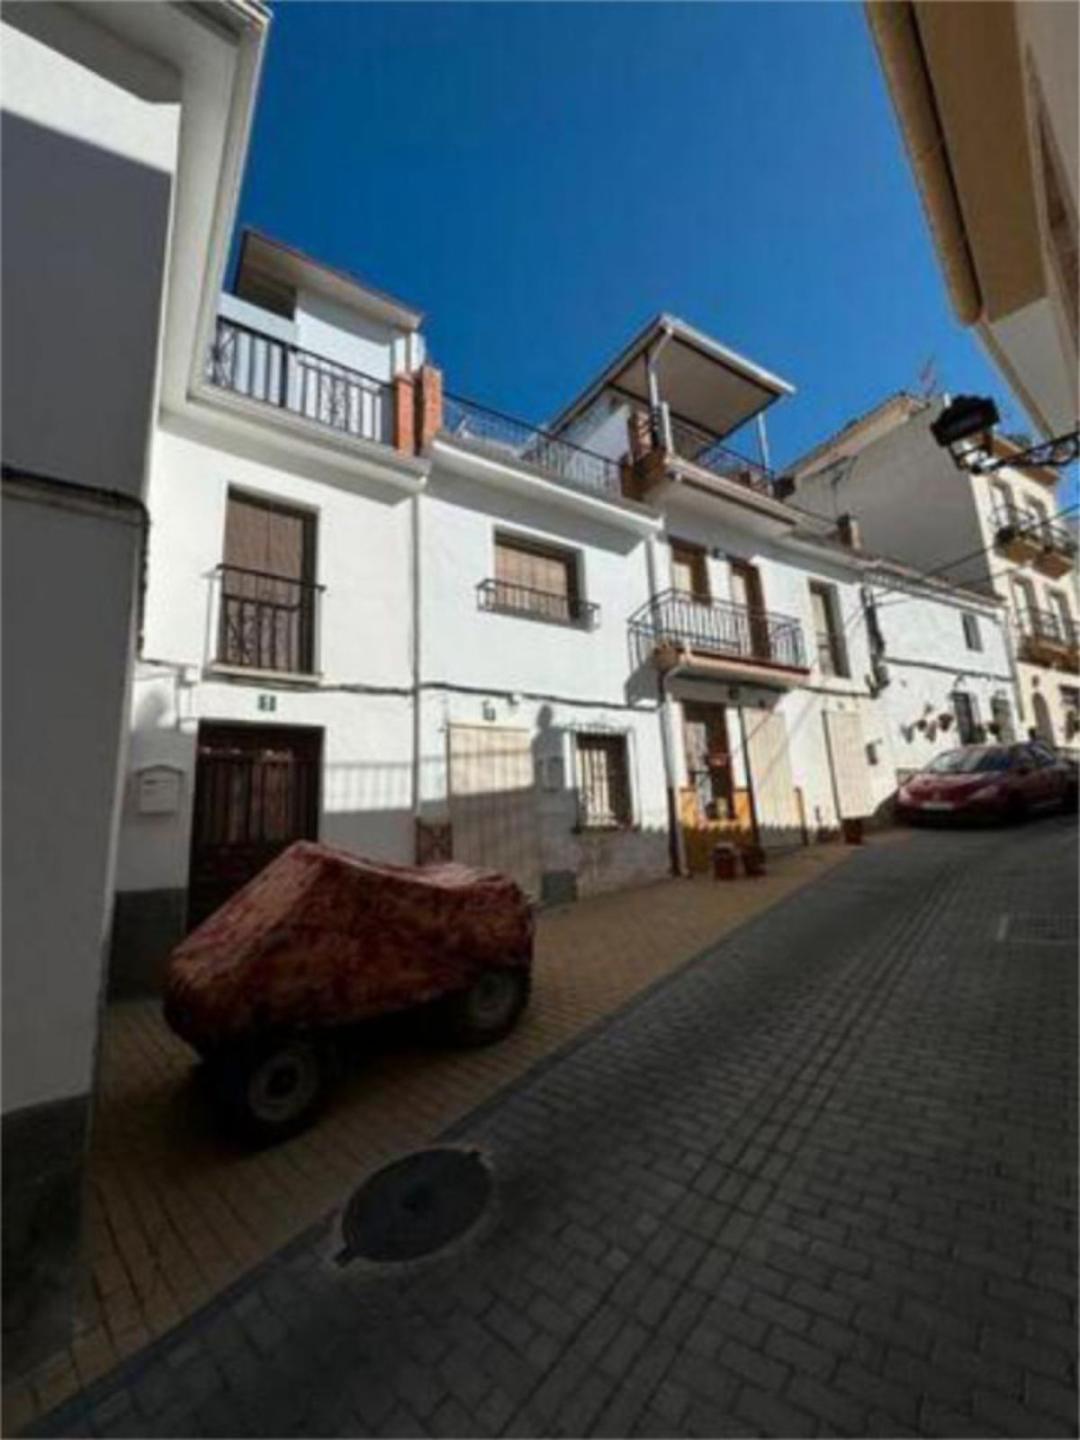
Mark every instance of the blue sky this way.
pixel 540 179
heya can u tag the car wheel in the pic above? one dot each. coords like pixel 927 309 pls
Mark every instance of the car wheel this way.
pixel 273 1089
pixel 489 1009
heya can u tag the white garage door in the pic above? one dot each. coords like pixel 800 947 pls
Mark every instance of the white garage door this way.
pixel 775 800
pixel 847 759
pixel 493 802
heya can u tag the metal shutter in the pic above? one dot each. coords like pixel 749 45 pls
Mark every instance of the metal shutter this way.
pixel 493 802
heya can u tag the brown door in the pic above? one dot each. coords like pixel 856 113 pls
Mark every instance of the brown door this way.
pixel 746 591
pixel 256 791
pixel 708 761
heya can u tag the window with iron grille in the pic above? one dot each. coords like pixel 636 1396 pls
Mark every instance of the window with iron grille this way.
pixel 536 579
pixel 972 635
pixel 268 595
pixel 603 782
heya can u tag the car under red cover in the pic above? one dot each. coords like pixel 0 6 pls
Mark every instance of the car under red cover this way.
pixel 322 939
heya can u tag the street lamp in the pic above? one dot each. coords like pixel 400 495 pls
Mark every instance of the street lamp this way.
pixel 966 429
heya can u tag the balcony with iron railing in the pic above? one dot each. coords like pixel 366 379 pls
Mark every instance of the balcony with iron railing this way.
pixel 1047 638
pixel 273 372
pixel 1025 536
pixel 559 460
pixel 508 598
pixel 674 628
pixel 698 447
pixel 266 621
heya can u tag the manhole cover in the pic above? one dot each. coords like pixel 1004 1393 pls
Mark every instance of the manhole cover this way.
pixel 416 1206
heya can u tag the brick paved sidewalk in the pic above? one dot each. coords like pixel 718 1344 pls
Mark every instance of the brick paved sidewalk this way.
pixel 822 1181
pixel 176 1214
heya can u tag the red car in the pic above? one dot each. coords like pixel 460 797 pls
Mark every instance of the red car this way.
pixel 321 940
pixel 990 782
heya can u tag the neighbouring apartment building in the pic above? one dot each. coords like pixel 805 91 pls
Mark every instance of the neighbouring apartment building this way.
pixel 997 534
pixel 124 131
pixel 384 615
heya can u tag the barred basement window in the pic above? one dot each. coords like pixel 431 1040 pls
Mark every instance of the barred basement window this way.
pixel 603 782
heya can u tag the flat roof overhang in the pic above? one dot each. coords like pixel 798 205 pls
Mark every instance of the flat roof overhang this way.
pixel 264 255
pixel 703 382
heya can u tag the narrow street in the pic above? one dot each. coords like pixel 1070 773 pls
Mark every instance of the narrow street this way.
pixel 819 1182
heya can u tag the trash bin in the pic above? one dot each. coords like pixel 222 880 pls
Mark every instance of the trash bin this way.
pixel 725 862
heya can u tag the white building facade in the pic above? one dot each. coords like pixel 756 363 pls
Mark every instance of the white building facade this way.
pixel 395 620
pixel 1001 535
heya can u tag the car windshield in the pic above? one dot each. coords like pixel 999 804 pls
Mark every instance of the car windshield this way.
pixel 970 762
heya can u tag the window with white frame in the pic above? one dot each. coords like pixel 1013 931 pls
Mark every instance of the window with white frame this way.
pixel 603 781
pixel 972 634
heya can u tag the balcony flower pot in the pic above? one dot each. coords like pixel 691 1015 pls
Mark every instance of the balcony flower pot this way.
pixel 753 859
pixel 945 719
pixel 725 862
pixel 853 830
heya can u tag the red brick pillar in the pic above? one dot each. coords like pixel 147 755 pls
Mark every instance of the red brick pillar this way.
pixel 405 414
pixel 429 409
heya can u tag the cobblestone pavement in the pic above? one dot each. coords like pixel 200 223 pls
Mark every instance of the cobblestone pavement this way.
pixel 821 1181
pixel 176 1213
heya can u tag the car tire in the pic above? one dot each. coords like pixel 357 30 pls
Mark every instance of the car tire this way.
pixel 489 1008
pixel 272 1089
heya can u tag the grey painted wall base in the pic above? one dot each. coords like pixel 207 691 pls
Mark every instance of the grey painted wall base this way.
pixel 44 1155
pixel 558 887
pixel 146 926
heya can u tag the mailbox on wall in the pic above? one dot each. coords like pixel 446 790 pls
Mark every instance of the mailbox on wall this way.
pixel 157 790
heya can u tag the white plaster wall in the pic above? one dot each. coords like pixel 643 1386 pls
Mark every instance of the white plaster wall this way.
pixel 601 860
pixel 338 333
pixel 68 580
pixel 366 798
pixel 910 500
pixel 470 646
pixel 362 541
pixel 87 179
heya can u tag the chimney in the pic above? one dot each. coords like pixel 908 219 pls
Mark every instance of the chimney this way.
pixel 429 406
pixel 405 414
pixel 847 532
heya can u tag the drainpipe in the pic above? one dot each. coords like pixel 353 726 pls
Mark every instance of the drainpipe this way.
pixel 414 579
pixel 676 843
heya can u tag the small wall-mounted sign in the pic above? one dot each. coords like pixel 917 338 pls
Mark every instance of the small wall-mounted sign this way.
pixel 267 702
pixel 157 790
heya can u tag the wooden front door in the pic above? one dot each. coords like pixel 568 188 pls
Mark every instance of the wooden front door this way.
pixel 256 791
pixel 711 808
pixel 746 592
